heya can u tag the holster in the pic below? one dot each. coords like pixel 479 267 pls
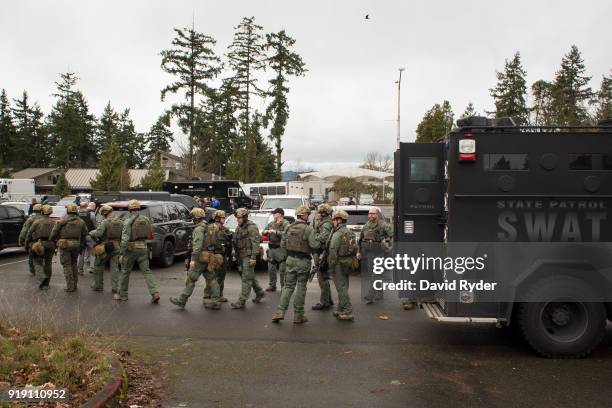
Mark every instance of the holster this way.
pixel 99 250
pixel 137 245
pixel 205 256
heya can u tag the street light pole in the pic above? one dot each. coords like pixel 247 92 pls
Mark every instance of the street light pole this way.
pixel 399 83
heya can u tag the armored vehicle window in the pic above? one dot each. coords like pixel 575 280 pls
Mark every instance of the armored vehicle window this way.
pixel 581 162
pixel 156 213
pixel 183 211
pixel 173 213
pixel 507 162
pixel 422 169
pixel 280 190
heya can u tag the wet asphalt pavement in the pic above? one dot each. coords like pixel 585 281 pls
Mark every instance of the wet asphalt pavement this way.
pixel 238 358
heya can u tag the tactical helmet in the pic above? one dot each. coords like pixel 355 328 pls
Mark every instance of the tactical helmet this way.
pixel 46 210
pixel 133 205
pixel 198 213
pixel 72 208
pixel 219 214
pixel 340 214
pixel 324 209
pixel 105 210
pixel 37 208
pixel 302 210
pixel 242 212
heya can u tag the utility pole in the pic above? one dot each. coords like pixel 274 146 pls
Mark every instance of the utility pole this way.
pixel 399 84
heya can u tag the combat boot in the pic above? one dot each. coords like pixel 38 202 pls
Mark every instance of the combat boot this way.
pixel 116 296
pixel 237 305
pixel 222 299
pixel 408 305
pixel 346 317
pixel 271 288
pixel 299 319
pixel 155 298
pixel 212 306
pixel 259 296
pixel 321 306
pixel 123 298
pixel 368 300
pixel 177 302
pixel 206 301
pixel 277 316
pixel 336 313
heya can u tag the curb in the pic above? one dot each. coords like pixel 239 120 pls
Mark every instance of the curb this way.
pixel 108 396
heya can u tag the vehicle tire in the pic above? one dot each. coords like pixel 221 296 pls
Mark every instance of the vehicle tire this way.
pixel 166 257
pixel 559 323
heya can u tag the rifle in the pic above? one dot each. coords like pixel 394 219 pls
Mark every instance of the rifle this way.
pixel 321 266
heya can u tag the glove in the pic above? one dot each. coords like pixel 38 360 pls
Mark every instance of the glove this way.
pixel 121 259
pixel 358 256
pixel 252 262
pixel 192 265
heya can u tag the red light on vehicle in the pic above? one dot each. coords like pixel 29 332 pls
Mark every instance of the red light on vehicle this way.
pixel 468 134
pixel 151 232
pixel 467 157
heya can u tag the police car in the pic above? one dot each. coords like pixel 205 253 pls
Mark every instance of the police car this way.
pixel 534 204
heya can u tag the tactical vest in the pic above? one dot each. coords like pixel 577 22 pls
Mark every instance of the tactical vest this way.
pixel 43 229
pixel 141 229
pixel 86 217
pixel 214 239
pixel 347 246
pixel 72 229
pixel 275 239
pixel 295 238
pixel 326 220
pixel 114 229
pixel 373 234
pixel 243 242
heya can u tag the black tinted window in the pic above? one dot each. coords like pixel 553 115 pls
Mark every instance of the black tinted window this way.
pixel 3 213
pixel 281 190
pixel 156 214
pixel 13 212
pixel 581 162
pixel 512 162
pixel 183 211
pixel 422 169
pixel 173 213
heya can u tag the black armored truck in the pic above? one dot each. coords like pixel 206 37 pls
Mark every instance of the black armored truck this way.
pixel 526 212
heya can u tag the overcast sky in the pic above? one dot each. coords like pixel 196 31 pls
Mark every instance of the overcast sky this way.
pixel 346 104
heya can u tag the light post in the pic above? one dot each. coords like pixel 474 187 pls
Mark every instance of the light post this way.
pixel 399 84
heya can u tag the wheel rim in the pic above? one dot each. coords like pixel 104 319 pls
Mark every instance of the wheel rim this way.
pixel 564 321
pixel 169 253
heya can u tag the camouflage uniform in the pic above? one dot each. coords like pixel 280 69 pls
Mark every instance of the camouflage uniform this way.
pixel 40 230
pixel 300 241
pixel 371 246
pixel 322 231
pixel 277 256
pixel 342 248
pixel 108 234
pixel 73 230
pixel 246 241
pixel 220 272
pixel 24 231
pixel 133 250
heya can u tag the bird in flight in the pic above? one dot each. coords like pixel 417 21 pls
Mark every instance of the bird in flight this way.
pixel 367 17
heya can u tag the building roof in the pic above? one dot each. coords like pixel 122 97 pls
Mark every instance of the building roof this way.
pixel 32 172
pixel 358 173
pixel 80 179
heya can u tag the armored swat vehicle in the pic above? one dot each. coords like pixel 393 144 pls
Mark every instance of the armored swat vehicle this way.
pixel 534 205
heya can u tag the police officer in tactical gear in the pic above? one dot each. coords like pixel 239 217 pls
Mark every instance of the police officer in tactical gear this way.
pixel 225 237
pixel 41 248
pixel 300 241
pixel 374 241
pixel 133 250
pixel 246 244
pixel 323 229
pixel 276 255
pixel 108 237
pixel 36 209
pixel 69 236
pixel 342 248
pixel 208 243
pixel 84 263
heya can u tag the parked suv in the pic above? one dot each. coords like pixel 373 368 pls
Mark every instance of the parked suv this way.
pixel 171 228
pixel 11 221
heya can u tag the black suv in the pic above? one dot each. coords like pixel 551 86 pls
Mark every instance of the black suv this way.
pixel 11 221
pixel 171 227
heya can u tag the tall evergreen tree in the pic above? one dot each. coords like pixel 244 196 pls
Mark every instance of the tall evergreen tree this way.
pixel 107 128
pixel 265 164
pixel 7 131
pixel 510 93
pixel 62 187
pixel 571 91
pixel 436 123
pixel 194 64
pixel 159 138
pixel 246 57
pixel 542 113
pixel 71 126
pixel 603 100
pixel 155 177
pixel 31 147
pixel 130 142
pixel 113 173
pixel 284 62
pixel 469 111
